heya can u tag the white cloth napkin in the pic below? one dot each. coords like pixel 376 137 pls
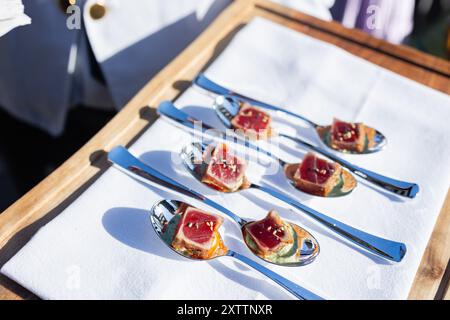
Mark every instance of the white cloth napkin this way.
pixel 12 15
pixel 102 245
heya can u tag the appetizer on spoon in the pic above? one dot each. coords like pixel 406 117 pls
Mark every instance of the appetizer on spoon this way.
pixel 401 188
pixel 194 234
pixel 304 248
pixel 224 172
pixel 320 177
pixel 356 138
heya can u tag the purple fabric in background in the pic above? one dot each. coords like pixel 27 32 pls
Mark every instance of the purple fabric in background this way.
pixel 391 20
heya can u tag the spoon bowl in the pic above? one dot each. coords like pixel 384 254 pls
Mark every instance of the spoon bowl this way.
pixel 228 107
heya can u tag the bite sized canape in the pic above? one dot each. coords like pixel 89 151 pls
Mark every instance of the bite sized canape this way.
pixel 352 137
pixel 318 176
pixel 273 239
pixel 254 122
pixel 270 234
pixel 197 235
pixel 225 171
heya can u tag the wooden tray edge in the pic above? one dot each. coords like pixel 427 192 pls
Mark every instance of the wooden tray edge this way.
pixel 40 204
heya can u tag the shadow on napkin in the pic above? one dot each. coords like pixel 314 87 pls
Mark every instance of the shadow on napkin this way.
pixel 132 227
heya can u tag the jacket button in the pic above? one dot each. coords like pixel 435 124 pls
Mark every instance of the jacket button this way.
pixel 97 11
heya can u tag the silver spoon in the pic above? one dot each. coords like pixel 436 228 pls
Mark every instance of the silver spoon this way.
pixel 192 153
pixel 323 132
pixel 164 211
pixel 120 156
pixel 401 188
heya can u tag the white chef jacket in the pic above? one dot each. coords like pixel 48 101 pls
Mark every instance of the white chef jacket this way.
pixel 46 68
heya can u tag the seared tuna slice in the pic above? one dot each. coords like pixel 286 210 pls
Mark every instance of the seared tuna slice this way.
pixel 348 136
pixel 197 234
pixel 254 122
pixel 225 171
pixel 317 176
pixel 270 234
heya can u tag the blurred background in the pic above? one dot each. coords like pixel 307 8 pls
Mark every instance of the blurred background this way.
pixel 42 123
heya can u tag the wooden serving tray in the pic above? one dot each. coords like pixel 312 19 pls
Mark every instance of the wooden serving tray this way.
pixel 50 197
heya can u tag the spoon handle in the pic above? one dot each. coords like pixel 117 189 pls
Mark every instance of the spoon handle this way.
pixel 388 249
pixel 123 158
pixel 203 82
pixel 402 188
pixel 299 292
